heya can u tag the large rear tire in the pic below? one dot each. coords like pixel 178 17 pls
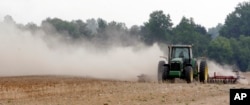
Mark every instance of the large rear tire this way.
pixel 189 74
pixel 160 70
pixel 165 73
pixel 203 72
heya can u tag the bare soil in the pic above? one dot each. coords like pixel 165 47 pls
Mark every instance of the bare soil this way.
pixel 64 90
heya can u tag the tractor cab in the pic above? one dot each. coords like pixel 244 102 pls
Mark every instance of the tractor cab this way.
pixel 179 57
pixel 181 54
pixel 180 51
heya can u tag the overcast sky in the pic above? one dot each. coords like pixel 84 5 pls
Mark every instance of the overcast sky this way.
pixel 205 12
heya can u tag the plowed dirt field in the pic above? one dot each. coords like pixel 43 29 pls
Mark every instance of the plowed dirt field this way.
pixel 64 90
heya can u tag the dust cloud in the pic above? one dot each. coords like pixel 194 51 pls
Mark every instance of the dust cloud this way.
pixel 223 70
pixel 28 53
pixel 23 52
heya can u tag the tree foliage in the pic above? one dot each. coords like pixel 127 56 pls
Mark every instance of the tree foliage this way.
pixel 214 31
pixel 157 28
pixel 220 49
pixel 227 43
pixel 237 23
pixel 188 32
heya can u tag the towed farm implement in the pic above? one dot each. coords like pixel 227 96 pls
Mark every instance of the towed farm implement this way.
pixel 223 79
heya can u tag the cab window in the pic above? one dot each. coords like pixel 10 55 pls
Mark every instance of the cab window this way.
pixel 180 52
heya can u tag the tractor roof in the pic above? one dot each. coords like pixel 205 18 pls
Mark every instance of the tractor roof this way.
pixel 180 46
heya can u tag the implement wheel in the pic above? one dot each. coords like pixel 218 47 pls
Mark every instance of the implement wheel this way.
pixel 203 72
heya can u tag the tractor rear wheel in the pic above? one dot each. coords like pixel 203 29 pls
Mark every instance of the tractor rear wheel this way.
pixel 189 74
pixel 165 73
pixel 160 70
pixel 203 72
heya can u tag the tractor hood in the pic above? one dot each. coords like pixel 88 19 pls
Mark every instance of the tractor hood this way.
pixel 179 60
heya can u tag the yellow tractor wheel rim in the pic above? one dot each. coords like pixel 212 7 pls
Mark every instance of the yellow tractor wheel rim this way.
pixel 191 76
pixel 206 73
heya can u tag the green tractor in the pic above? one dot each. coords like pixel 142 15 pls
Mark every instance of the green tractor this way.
pixel 181 64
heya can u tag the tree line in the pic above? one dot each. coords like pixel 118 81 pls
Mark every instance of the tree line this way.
pixel 227 43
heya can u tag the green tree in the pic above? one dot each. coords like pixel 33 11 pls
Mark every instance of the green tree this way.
pixel 134 32
pixel 157 28
pixel 237 23
pixel 102 24
pixel 8 19
pixel 75 29
pixel 188 32
pixel 214 31
pixel 243 56
pixel 220 50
